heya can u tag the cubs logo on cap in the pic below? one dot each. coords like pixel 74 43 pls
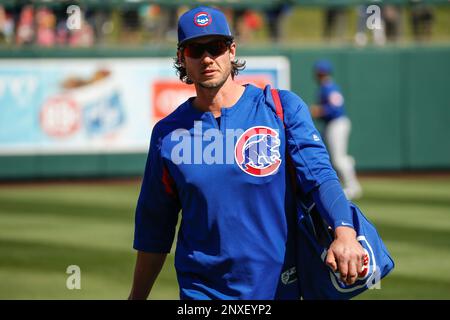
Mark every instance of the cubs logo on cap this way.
pixel 201 22
pixel 257 151
pixel 202 19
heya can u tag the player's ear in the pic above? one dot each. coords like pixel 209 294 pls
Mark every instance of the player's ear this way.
pixel 233 51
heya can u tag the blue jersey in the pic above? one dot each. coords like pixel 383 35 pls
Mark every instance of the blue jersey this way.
pixel 232 237
pixel 331 100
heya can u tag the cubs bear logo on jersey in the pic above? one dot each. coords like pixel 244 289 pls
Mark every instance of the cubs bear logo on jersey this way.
pixel 202 19
pixel 336 99
pixel 257 151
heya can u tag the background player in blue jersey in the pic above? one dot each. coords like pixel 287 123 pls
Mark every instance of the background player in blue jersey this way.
pixel 331 110
pixel 220 158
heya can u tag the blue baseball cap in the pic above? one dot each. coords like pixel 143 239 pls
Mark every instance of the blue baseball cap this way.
pixel 201 22
pixel 323 66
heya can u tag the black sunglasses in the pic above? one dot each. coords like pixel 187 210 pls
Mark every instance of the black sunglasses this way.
pixel 215 48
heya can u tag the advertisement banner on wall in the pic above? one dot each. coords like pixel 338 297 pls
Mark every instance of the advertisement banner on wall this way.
pixel 70 106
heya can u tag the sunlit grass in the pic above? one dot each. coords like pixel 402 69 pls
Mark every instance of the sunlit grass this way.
pixel 46 228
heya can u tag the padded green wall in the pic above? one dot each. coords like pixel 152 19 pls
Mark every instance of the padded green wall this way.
pixel 397 98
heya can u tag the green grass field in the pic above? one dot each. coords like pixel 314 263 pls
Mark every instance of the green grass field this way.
pixel 45 228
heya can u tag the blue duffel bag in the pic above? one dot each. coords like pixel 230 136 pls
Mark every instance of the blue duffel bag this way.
pixel 313 238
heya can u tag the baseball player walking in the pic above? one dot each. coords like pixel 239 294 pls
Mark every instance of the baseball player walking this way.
pixel 231 182
pixel 331 110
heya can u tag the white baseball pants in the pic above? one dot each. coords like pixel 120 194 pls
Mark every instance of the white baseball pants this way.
pixel 337 133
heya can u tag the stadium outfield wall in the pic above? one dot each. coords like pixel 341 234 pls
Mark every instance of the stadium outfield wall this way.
pixel 397 98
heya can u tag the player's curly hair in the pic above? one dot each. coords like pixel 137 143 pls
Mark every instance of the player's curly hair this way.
pixel 236 66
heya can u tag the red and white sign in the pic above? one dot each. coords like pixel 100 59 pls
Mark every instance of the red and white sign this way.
pixel 60 117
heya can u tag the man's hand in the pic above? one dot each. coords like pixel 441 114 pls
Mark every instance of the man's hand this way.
pixel 346 255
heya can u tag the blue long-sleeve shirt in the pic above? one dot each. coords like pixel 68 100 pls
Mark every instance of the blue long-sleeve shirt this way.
pixel 235 207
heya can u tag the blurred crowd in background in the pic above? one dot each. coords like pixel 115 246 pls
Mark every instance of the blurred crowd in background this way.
pixel 46 25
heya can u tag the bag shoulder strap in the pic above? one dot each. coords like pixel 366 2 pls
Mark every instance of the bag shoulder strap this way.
pixel 308 205
pixel 321 231
pixel 278 105
pixel 280 114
